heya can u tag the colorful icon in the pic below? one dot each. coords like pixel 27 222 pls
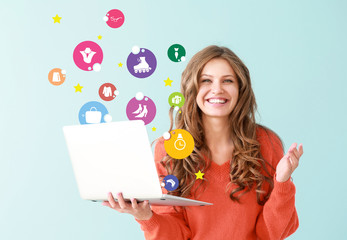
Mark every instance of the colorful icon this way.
pixel 176 99
pixel 141 62
pixel 114 18
pixel 93 112
pixel 141 107
pixel 180 145
pixel 176 53
pixel 88 56
pixel 170 183
pixel 56 76
pixel 108 92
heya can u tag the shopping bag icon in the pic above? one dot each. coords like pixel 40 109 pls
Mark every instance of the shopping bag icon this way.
pixel 56 77
pixel 93 116
pixel 176 99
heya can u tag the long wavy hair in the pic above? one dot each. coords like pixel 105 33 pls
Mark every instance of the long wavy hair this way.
pixel 247 162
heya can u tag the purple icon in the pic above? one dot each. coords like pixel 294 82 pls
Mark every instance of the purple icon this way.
pixel 143 109
pixel 141 62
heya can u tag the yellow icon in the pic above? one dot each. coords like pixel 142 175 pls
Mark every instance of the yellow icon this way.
pixel 56 19
pixel 180 145
pixel 78 88
pixel 199 175
pixel 168 82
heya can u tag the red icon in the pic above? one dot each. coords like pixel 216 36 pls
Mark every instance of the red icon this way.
pixel 108 92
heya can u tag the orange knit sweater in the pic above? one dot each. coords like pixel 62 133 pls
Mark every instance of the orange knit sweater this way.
pixel 226 219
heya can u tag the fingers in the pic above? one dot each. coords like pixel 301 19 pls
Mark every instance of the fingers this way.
pixel 111 200
pixel 121 201
pixel 301 149
pixel 134 203
pixel 294 159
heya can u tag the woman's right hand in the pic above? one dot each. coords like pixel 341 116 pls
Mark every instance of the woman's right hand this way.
pixel 141 211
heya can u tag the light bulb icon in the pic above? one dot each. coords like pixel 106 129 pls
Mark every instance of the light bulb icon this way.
pixel 180 144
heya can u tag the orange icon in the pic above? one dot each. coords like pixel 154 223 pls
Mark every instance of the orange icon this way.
pixel 57 76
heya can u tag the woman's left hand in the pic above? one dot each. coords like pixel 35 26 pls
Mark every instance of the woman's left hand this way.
pixel 288 163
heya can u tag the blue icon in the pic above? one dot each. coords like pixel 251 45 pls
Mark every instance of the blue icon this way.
pixel 92 112
pixel 171 182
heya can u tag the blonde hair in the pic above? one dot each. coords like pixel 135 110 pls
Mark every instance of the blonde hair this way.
pixel 247 162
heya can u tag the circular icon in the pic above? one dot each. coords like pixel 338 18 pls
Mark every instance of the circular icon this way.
pixel 176 99
pixel 180 145
pixel 176 53
pixel 57 76
pixel 93 112
pixel 114 18
pixel 88 56
pixel 170 182
pixel 141 109
pixel 107 91
pixel 142 63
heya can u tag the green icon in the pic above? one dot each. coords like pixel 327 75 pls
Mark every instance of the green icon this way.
pixel 176 99
pixel 176 53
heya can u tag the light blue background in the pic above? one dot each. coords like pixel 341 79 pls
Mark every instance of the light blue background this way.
pixel 296 53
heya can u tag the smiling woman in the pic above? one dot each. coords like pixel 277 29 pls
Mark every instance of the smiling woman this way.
pixel 246 174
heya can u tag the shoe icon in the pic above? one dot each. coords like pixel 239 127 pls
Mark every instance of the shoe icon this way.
pixel 143 66
pixel 138 110
pixel 143 113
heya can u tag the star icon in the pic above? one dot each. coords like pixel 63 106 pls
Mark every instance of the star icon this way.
pixel 168 82
pixel 199 175
pixel 99 37
pixel 120 64
pixel 153 129
pixel 78 88
pixel 56 19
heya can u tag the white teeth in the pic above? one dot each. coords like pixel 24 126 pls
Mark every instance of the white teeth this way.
pixel 216 101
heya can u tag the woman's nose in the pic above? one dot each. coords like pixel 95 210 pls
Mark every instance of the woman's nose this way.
pixel 217 88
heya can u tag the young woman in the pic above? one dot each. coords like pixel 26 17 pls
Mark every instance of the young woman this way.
pixel 247 177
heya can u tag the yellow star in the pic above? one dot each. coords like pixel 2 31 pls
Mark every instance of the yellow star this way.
pixel 78 88
pixel 168 82
pixel 99 37
pixel 199 175
pixel 179 112
pixel 56 19
pixel 153 129
pixel 120 64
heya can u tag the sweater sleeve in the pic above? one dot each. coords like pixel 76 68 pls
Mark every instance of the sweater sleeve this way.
pixel 278 218
pixel 165 223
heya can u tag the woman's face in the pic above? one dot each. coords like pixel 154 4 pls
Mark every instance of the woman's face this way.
pixel 218 89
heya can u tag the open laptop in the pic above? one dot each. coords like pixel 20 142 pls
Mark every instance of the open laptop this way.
pixel 117 157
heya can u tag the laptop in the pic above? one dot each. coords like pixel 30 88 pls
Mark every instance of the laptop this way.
pixel 117 157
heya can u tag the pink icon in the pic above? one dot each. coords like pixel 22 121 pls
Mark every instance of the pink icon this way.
pixel 141 109
pixel 108 92
pixel 88 56
pixel 114 18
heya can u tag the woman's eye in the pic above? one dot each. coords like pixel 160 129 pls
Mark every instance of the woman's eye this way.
pixel 228 80
pixel 206 80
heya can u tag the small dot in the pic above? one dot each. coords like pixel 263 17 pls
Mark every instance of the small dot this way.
pixel 183 58
pixel 107 118
pixel 142 50
pixel 135 49
pixel 166 135
pixel 106 18
pixel 116 92
pixel 89 68
pixel 179 111
pixel 97 67
pixel 176 108
pixel 162 184
pixel 139 96
pixel 146 99
pixel 63 71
